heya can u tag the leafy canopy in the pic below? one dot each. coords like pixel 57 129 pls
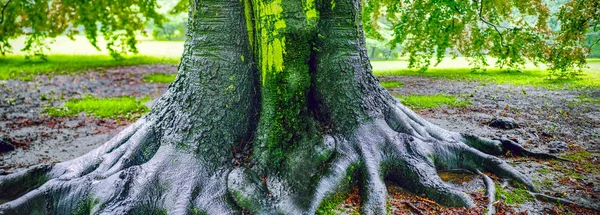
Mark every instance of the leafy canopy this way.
pixel 551 32
pixel 118 21
pixel 512 31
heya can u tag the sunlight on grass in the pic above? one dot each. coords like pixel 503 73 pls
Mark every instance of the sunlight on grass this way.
pixel 432 101
pixel 498 76
pixel 17 67
pixel 120 107
pixel 593 60
pixel 392 84
pixel 160 78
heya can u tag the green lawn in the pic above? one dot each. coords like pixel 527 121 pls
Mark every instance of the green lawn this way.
pixel 590 79
pixel 432 101
pixel 391 84
pixel 17 67
pixel 160 78
pixel 119 107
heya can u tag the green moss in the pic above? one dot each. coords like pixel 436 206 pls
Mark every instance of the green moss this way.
pixel 432 101
pixel 330 204
pixel 148 210
pixel 17 67
pixel 249 22
pixel 516 196
pixel 544 171
pixel 85 206
pixel 310 10
pixel 160 78
pixel 120 107
pixel 584 160
pixel 392 84
pixel 285 83
pixel 579 156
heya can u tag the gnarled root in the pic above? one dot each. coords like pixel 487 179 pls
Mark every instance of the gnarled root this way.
pixel 380 152
pixel 130 174
pixel 403 148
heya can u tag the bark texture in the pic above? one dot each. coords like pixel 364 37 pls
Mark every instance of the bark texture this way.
pixel 274 108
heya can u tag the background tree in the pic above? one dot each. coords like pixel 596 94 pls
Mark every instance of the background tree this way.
pixel 118 22
pixel 273 108
pixel 513 32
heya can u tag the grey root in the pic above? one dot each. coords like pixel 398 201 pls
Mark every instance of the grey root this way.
pixel 232 135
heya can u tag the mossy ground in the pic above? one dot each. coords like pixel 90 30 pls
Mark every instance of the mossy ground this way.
pixel 18 67
pixel 432 101
pixel 514 196
pixel 160 78
pixel 119 107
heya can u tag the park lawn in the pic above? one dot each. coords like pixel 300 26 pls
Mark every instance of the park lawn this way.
pixel 391 84
pixel 529 77
pixel 18 67
pixel 160 78
pixel 119 107
pixel 417 101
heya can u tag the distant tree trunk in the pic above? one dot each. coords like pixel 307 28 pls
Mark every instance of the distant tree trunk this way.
pixel 274 107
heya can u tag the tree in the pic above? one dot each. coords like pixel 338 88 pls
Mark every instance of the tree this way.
pixel 117 21
pixel 274 106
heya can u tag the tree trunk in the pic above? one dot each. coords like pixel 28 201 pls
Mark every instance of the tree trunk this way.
pixel 274 107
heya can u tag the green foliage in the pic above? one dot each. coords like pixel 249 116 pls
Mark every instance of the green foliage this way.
pixel 392 84
pixel 516 196
pixel 160 78
pixel 120 107
pixel 514 32
pixel 117 21
pixel 173 30
pixel 432 101
pixel 499 76
pixel 17 67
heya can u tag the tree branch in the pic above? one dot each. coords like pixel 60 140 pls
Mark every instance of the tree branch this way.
pixel 3 9
pixel 489 23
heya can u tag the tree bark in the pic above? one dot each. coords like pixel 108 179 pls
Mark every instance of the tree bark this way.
pixel 274 107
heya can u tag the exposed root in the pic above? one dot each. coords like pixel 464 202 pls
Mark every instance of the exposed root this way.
pixel 517 149
pixel 490 192
pixel 561 201
pixel 130 174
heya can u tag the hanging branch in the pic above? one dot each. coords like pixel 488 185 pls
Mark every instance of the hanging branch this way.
pixel 3 9
pixel 489 23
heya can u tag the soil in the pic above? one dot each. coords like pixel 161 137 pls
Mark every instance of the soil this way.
pixel 40 138
pixel 543 116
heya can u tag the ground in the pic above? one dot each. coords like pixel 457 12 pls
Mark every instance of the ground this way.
pixel 571 115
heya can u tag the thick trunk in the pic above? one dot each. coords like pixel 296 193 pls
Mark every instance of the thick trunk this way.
pixel 273 108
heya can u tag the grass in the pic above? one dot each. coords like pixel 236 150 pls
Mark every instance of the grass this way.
pixel 120 107
pixel 590 79
pixel 391 84
pixel 432 101
pixel 17 67
pixel 160 78
pixel 593 60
